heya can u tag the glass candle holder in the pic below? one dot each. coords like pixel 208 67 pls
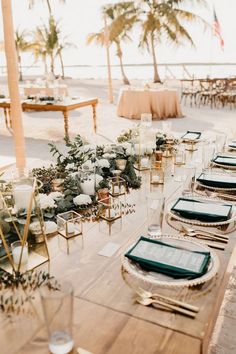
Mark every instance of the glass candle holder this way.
pixel 69 224
pixel 109 210
pixel 23 188
pixel 156 175
pixel 158 157
pixel 117 186
pixel 179 158
pixel 20 255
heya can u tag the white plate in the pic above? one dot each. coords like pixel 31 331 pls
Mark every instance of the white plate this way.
pixel 165 281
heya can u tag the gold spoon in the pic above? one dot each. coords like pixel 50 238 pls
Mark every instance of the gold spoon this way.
pixel 147 294
pixel 148 301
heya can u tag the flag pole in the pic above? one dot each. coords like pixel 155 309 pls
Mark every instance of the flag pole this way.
pixel 107 44
pixel 13 85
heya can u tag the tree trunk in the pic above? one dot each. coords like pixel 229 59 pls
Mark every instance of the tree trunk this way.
pixel 45 66
pixel 49 7
pixel 52 64
pixel 120 54
pixel 156 75
pixel 62 65
pixel 20 67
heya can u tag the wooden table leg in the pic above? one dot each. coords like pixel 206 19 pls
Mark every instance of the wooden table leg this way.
pixel 66 125
pixel 94 118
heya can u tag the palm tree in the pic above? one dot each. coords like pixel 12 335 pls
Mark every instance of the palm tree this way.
pixel 46 40
pixel 122 16
pixel 165 20
pixel 22 44
pixel 62 45
pixel 32 3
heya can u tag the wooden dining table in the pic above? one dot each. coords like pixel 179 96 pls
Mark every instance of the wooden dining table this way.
pixel 106 317
pixel 64 107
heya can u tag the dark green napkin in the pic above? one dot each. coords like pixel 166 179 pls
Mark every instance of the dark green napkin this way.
pixel 202 210
pixel 217 180
pixel 174 261
pixel 225 160
pixel 233 144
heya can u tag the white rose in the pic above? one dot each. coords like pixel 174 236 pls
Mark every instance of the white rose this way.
pixel 56 195
pixel 46 201
pixel 82 199
pixel 88 166
pixel 107 148
pixel 103 163
pixel 70 166
pixel 109 156
pixel 98 179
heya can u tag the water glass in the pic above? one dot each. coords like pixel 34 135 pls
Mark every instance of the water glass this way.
pixel 220 142
pixel 58 312
pixel 188 178
pixel 166 127
pixel 155 213
pixel 146 119
pixel 208 152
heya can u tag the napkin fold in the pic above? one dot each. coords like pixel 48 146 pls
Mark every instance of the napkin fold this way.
pixel 174 261
pixel 202 210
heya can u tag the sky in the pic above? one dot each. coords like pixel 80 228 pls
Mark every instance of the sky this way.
pixel 81 17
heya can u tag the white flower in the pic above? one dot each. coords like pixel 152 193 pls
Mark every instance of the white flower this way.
pixel 109 156
pixel 107 148
pixel 70 166
pixel 103 163
pixel 98 179
pixel 88 166
pixel 128 148
pixel 87 148
pixel 46 201
pixel 56 195
pixel 82 199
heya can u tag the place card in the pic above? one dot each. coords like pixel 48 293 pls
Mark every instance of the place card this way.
pixel 225 160
pixel 109 249
pixel 175 261
pixel 191 135
pixel 202 210
pixel 217 180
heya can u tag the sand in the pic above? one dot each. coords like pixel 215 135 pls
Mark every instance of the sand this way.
pixel 42 127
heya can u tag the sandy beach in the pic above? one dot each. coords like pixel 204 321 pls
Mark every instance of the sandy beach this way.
pixel 42 127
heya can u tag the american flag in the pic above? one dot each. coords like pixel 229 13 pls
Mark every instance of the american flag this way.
pixel 217 30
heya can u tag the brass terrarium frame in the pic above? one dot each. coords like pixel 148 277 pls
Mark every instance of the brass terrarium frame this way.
pixel 37 255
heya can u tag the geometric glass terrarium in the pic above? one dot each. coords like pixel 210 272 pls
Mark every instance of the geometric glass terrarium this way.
pixel 69 226
pixel 156 175
pixel 20 208
pixel 117 186
pixel 109 212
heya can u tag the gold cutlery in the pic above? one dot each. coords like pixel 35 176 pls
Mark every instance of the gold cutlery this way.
pixel 149 301
pixel 147 294
pixel 209 234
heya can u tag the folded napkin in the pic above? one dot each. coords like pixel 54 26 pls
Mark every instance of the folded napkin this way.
pixel 217 180
pixel 233 144
pixel 174 261
pixel 190 135
pixel 202 210
pixel 225 160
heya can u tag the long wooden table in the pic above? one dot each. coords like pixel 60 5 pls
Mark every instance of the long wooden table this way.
pixel 65 108
pixel 106 317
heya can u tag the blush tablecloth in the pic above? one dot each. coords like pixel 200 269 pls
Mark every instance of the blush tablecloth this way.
pixel 47 91
pixel 162 103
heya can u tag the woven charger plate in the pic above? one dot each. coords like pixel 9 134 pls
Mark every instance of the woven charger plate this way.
pixel 227 167
pixel 203 223
pixel 165 281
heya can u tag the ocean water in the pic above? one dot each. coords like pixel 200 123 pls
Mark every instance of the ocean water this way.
pixel 142 71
